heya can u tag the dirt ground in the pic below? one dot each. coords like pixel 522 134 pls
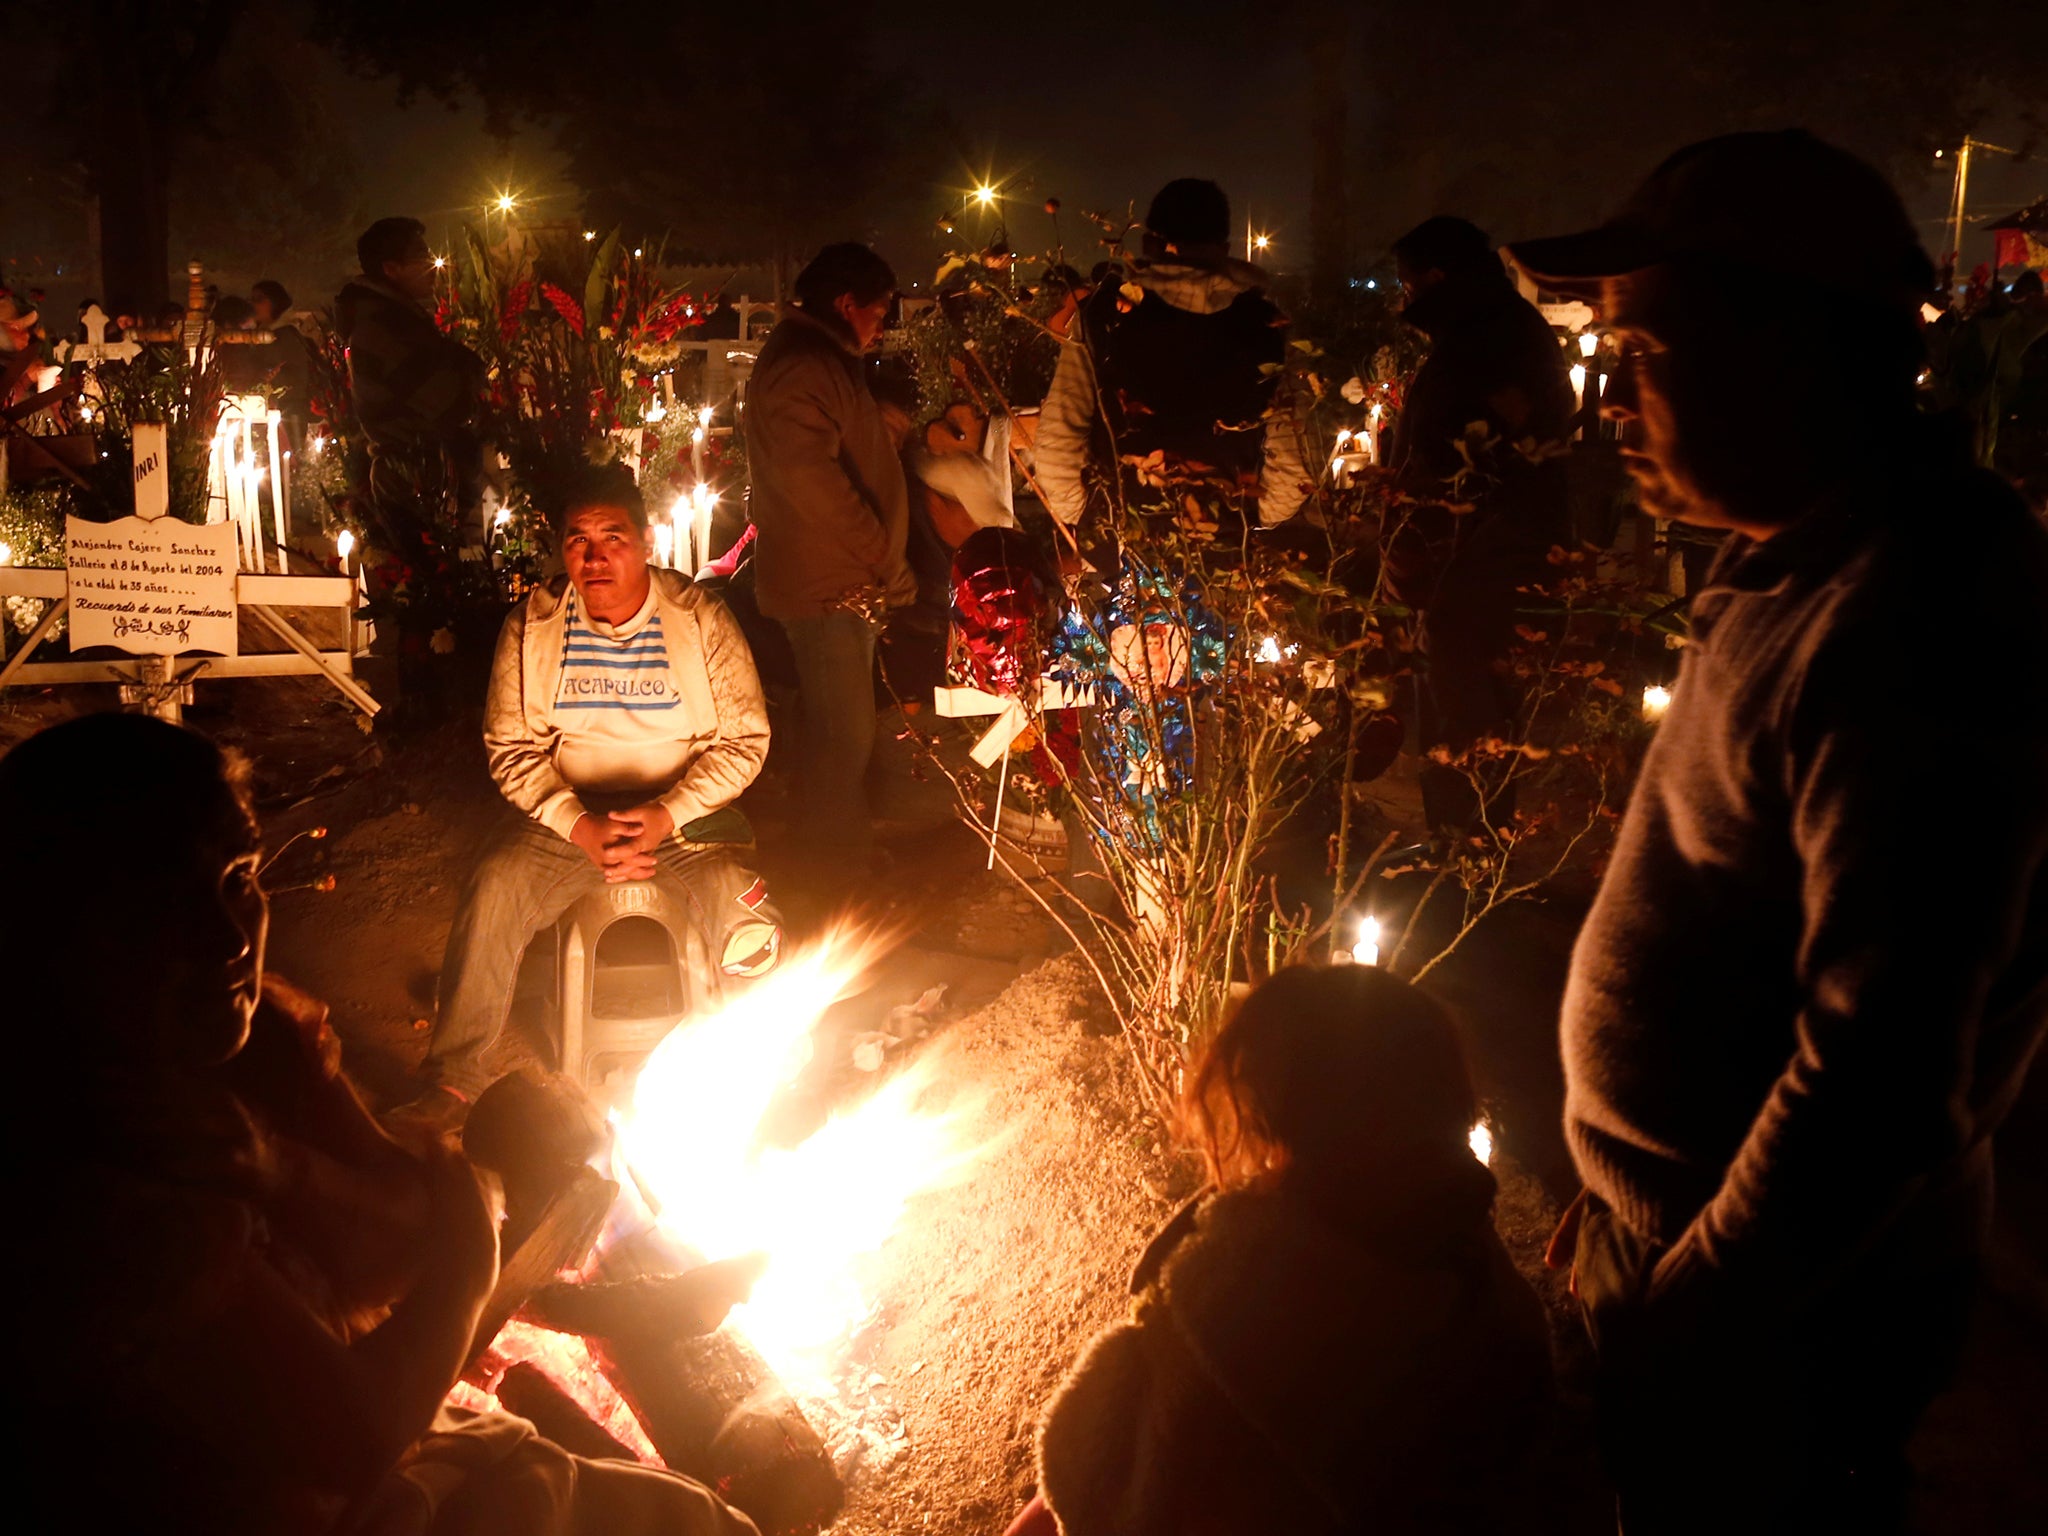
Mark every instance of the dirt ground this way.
pixel 992 1284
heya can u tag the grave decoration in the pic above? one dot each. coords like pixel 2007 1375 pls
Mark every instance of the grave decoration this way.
pixel 163 553
pixel 1153 651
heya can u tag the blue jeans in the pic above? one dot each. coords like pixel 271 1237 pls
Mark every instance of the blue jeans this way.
pixel 525 881
pixel 835 670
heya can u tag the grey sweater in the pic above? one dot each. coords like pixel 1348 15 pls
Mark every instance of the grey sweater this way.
pixel 1818 965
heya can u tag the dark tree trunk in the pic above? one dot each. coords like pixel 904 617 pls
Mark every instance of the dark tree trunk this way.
pixel 145 67
pixel 133 182
pixel 1329 224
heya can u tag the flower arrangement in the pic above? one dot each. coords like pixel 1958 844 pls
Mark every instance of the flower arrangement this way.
pixel 571 344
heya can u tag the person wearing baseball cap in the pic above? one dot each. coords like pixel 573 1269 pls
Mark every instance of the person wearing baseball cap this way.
pixel 1796 1012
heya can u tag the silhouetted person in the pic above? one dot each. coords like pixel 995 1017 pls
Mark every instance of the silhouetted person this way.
pixel 1184 370
pixel 261 1298
pixel 1492 359
pixel 286 357
pixel 1802 1002
pixel 243 363
pixel 829 500
pixel 417 394
pixel 721 320
pixel 1331 1338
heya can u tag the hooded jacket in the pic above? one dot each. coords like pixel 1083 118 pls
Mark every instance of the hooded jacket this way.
pixel 1187 375
pixel 828 494
pixel 712 670
pixel 411 384
pixel 1307 1366
pixel 1492 359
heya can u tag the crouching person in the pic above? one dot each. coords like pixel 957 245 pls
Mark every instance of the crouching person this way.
pixel 1333 1337
pixel 247 1303
pixel 625 718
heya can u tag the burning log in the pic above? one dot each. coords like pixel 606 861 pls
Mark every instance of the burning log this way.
pixel 716 1411
pixel 560 1239
pixel 650 1307
pixel 712 1406
pixel 525 1389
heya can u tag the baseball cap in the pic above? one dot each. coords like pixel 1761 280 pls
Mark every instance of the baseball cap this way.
pixel 1778 203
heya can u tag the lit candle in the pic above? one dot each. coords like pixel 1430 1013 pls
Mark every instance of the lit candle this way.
pixel 345 545
pixel 1656 699
pixel 1578 386
pixel 1367 950
pixel 702 499
pixel 1269 649
pixel 1480 1140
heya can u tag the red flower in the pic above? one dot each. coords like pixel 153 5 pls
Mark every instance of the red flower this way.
pixel 515 307
pixel 570 311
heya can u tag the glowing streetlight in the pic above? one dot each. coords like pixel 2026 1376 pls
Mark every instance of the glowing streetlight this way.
pixel 1262 242
pixel 440 262
pixel 1589 343
pixel 506 202
pixel 590 234
pixel 985 195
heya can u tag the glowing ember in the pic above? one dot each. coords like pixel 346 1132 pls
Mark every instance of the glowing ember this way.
pixel 693 1140
pixel 567 1362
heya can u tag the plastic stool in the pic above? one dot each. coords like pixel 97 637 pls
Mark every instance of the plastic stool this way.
pixel 593 1044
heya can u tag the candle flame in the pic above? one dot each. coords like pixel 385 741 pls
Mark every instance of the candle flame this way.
pixel 1366 951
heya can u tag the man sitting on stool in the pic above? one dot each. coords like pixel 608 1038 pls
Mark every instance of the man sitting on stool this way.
pixel 625 717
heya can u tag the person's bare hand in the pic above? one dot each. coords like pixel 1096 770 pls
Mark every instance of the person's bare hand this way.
pixel 632 839
pixel 591 834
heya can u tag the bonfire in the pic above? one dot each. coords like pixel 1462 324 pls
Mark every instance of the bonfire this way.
pixel 693 1200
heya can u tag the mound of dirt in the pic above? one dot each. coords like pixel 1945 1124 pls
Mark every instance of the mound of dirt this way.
pixel 990 1288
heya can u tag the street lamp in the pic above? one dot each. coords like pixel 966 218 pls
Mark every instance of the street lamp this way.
pixel 507 202
pixel 985 195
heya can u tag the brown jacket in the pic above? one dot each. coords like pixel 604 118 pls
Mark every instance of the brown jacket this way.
pixel 709 663
pixel 828 494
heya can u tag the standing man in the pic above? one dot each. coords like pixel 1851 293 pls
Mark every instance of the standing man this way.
pixel 417 395
pixel 1492 359
pixel 1803 1000
pixel 1181 361
pixel 829 501
pixel 624 720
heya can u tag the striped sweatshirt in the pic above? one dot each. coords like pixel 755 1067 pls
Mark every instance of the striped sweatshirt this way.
pixel 624 737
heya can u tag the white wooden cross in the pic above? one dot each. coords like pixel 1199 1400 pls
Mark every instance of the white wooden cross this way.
pixel 96 349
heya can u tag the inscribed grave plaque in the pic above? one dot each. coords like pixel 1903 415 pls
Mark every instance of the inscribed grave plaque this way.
pixel 152 588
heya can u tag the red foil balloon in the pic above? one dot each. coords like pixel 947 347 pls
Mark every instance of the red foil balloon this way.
pixel 999 609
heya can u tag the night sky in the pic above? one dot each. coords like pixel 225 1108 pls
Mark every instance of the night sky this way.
pixel 1504 112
